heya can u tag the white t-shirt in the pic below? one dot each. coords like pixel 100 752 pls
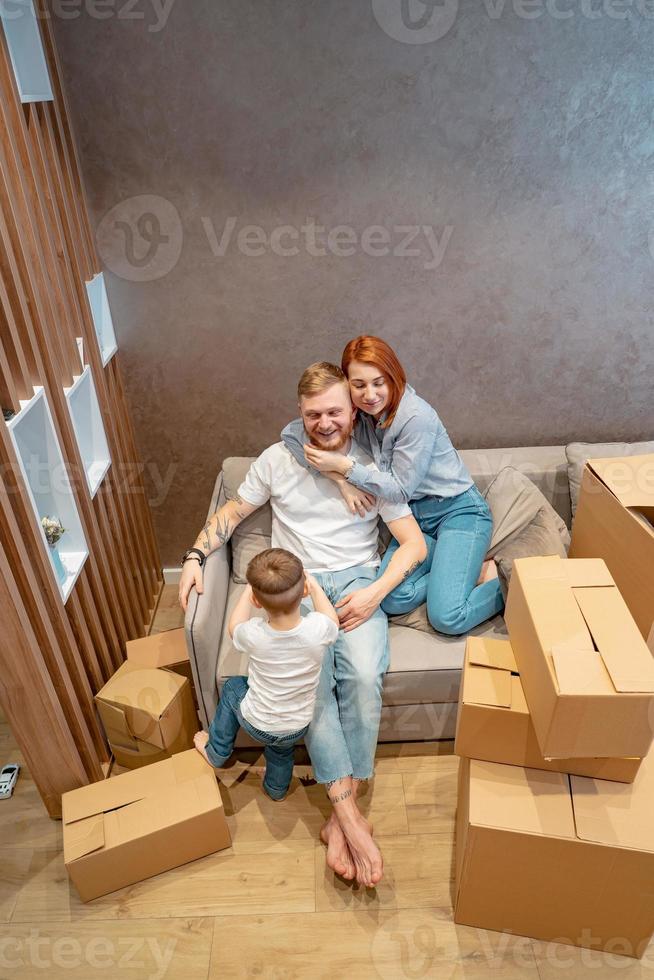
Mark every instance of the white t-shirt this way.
pixel 310 517
pixel 283 671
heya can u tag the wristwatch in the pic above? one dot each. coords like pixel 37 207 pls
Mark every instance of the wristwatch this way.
pixel 194 553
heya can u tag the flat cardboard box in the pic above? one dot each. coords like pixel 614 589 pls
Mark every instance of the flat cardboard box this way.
pixel 614 521
pixel 586 671
pixel 167 651
pixel 493 721
pixel 136 825
pixel 148 715
pixel 556 857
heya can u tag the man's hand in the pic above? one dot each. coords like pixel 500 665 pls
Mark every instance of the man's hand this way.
pixel 191 577
pixel 355 608
pixel 326 461
pixel 357 501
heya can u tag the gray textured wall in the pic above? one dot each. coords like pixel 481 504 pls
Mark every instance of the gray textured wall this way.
pixel 521 136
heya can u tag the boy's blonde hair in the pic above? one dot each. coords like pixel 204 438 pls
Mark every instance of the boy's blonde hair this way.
pixel 277 580
pixel 318 377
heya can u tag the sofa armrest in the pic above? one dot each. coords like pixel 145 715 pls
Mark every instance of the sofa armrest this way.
pixel 204 619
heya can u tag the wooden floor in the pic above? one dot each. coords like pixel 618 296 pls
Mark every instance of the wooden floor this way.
pixel 268 908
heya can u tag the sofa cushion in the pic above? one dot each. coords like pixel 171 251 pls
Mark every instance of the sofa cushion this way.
pixel 578 452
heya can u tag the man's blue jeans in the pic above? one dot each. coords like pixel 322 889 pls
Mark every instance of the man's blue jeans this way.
pixel 279 750
pixel 457 533
pixel 342 736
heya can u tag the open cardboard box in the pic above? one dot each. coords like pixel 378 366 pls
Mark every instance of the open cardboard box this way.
pixel 166 651
pixel 138 824
pixel 493 721
pixel 556 857
pixel 148 714
pixel 587 673
pixel 614 521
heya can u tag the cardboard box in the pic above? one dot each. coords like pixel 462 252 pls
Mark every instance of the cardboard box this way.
pixel 556 857
pixel 136 825
pixel 586 672
pixel 493 721
pixel 167 651
pixel 614 521
pixel 148 715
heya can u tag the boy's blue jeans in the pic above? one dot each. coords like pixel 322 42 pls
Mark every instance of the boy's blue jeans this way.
pixel 279 750
pixel 457 533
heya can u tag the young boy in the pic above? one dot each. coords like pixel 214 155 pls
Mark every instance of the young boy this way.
pixel 275 703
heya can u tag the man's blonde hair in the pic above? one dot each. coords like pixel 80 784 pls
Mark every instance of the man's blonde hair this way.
pixel 277 580
pixel 318 377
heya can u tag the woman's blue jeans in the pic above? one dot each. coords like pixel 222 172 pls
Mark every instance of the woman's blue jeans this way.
pixel 279 750
pixel 457 533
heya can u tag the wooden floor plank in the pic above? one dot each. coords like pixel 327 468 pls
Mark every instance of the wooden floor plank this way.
pixel 176 950
pixel 412 944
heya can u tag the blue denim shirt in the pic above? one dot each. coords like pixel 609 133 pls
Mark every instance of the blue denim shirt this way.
pixel 414 454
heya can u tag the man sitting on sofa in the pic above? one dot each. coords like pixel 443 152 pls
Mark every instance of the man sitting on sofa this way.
pixel 339 548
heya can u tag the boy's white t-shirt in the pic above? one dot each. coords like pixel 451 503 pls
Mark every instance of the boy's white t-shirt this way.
pixel 310 518
pixel 284 670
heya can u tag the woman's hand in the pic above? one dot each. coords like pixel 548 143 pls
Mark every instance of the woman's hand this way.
pixel 191 577
pixel 355 608
pixel 358 501
pixel 326 461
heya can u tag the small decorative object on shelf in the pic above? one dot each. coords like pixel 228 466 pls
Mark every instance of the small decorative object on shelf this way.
pixel 54 531
pixel 7 414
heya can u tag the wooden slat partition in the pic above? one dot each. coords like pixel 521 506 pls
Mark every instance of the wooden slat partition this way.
pixel 54 656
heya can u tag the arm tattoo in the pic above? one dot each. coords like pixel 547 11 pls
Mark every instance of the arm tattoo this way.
pixel 240 503
pixel 343 796
pixel 223 531
pixel 206 539
pixel 411 570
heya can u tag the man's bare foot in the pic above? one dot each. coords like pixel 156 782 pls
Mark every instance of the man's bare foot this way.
pixel 200 740
pixel 365 853
pixel 488 572
pixel 339 858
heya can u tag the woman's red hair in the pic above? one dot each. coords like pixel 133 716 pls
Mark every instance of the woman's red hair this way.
pixel 374 350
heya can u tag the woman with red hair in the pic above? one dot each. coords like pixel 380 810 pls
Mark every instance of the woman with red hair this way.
pixel 417 463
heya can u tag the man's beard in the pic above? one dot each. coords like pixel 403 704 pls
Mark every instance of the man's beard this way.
pixel 332 445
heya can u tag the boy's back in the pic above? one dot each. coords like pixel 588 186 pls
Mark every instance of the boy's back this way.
pixel 284 670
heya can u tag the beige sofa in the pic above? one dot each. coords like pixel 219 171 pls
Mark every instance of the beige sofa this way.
pixel 422 685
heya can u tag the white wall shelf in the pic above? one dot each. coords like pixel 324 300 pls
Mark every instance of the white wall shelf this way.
pixel 42 464
pixel 26 50
pixel 104 327
pixel 89 429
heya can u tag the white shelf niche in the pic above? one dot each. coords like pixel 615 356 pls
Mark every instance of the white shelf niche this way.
pixel 87 422
pixel 26 50
pixel 42 464
pixel 104 327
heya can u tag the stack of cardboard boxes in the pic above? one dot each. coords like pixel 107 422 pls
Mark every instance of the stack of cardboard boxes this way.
pixel 169 812
pixel 555 825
